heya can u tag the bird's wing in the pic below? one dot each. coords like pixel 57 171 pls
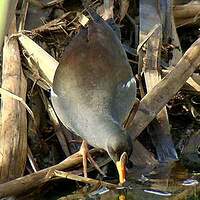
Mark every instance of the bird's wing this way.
pixel 123 100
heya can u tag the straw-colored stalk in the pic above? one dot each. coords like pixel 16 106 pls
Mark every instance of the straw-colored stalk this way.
pixel 13 134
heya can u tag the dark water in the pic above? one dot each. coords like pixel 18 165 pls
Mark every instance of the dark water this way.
pixel 167 182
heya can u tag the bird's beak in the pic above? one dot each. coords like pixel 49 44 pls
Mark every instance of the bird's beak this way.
pixel 121 167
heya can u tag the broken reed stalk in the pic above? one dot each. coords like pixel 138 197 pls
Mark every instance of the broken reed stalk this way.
pixel 160 95
pixel 23 184
pixel 13 135
pixel 150 17
pixel 47 64
pixel 82 179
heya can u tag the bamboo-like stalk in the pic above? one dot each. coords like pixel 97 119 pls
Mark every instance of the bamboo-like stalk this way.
pixel 7 11
pixel 13 135
pixel 150 17
pixel 158 97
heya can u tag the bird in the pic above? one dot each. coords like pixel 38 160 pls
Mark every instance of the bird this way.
pixel 94 90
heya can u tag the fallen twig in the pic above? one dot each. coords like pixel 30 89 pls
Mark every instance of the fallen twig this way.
pixel 74 177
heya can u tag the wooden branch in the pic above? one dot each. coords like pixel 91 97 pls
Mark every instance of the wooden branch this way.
pixel 158 97
pixel 13 135
pixel 193 81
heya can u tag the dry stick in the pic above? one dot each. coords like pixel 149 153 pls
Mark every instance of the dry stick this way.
pixel 186 11
pixel 108 9
pixel 13 135
pixel 187 21
pixel 23 184
pixel 22 18
pixel 177 52
pixel 158 97
pixel 32 161
pixel 187 14
pixel 49 25
pixel 74 177
pixel 193 81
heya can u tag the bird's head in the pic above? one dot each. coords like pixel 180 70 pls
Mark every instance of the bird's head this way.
pixel 119 148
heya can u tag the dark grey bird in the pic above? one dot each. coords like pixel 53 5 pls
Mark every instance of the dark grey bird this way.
pixel 94 90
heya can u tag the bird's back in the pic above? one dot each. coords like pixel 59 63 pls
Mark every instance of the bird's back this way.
pixel 93 85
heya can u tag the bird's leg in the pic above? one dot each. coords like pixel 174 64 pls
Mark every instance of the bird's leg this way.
pixel 95 164
pixel 84 151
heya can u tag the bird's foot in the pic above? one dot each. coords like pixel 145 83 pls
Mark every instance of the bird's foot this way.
pixel 84 151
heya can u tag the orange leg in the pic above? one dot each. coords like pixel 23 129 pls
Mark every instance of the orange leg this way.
pixel 84 151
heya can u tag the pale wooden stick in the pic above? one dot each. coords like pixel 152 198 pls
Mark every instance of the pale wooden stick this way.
pixel 74 177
